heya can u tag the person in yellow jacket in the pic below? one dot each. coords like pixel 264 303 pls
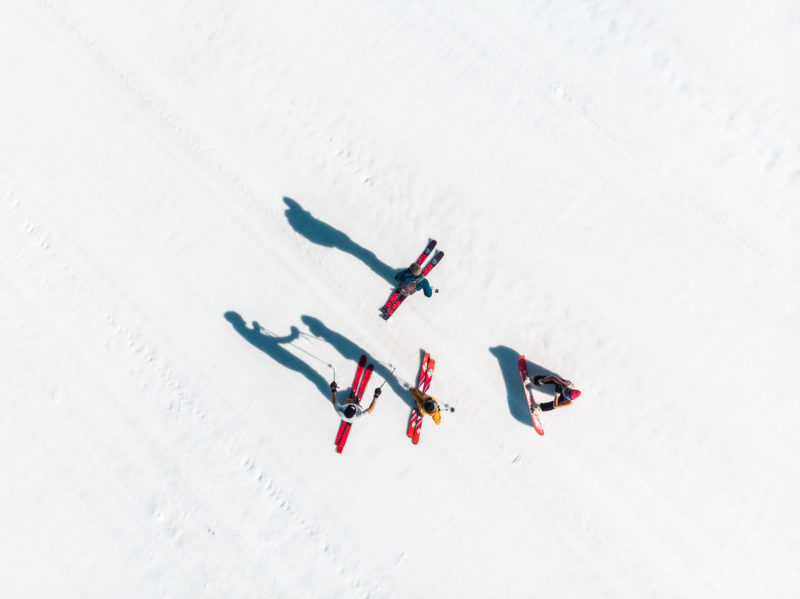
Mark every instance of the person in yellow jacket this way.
pixel 427 405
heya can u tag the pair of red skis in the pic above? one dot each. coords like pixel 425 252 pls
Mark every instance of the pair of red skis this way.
pixel 363 374
pixel 424 383
pixel 533 405
pixel 397 298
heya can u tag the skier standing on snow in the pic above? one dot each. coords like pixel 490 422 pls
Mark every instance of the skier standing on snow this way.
pixel 427 405
pixel 411 280
pixel 565 393
pixel 350 409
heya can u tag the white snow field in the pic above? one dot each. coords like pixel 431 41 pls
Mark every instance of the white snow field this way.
pixel 203 207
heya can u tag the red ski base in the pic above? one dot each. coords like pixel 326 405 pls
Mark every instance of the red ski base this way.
pixel 533 407
pixel 424 383
pixel 362 377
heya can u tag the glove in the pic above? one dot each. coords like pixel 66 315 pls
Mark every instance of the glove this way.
pixel 377 391
pixel 334 386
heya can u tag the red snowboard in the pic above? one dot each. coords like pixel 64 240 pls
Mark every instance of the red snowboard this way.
pixel 533 406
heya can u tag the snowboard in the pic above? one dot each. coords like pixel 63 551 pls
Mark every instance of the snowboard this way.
pixel 533 405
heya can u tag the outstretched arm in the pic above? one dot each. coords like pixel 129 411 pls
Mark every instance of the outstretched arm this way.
pixel 374 400
pixel 334 387
pixel 555 380
pixel 426 287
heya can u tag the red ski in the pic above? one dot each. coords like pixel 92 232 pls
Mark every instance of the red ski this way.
pixel 397 297
pixel 357 391
pixel 422 257
pixel 533 406
pixel 425 377
pixel 415 415
pixel 362 362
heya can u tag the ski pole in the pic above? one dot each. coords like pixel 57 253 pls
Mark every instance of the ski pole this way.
pixel 387 378
pixel 378 389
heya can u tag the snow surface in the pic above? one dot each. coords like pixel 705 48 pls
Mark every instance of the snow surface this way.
pixel 203 205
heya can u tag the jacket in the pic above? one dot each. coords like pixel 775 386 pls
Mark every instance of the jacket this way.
pixel 421 398
pixel 411 283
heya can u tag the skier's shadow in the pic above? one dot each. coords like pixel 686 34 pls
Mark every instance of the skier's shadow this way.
pixel 508 360
pixel 353 352
pixel 272 346
pixel 321 233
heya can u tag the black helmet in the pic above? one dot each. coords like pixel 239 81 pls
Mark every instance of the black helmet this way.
pixel 429 406
pixel 350 410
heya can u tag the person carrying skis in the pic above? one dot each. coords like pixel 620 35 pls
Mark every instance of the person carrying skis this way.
pixel 427 405
pixel 350 409
pixel 411 280
pixel 565 393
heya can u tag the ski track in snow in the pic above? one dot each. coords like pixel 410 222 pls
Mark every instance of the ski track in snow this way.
pixel 159 443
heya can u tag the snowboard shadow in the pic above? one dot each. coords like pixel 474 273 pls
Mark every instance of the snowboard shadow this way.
pixel 273 347
pixel 508 360
pixel 353 352
pixel 321 233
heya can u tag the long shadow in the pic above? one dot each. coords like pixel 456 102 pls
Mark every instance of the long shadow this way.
pixel 508 360
pixel 272 346
pixel 353 352
pixel 321 233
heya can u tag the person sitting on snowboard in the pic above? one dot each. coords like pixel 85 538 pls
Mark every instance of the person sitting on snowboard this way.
pixel 427 405
pixel 411 280
pixel 565 393
pixel 350 409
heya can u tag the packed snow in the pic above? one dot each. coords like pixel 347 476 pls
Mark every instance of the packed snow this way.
pixel 204 205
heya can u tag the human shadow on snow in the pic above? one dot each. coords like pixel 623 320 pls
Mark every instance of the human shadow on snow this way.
pixel 353 352
pixel 508 360
pixel 273 347
pixel 321 233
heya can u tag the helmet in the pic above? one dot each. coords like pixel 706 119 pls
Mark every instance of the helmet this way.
pixel 415 269
pixel 350 410
pixel 429 406
pixel 573 394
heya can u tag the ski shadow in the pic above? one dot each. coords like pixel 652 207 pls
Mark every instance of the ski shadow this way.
pixel 321 233
pixel 272 346
pixel 508 360
pixel 353 352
